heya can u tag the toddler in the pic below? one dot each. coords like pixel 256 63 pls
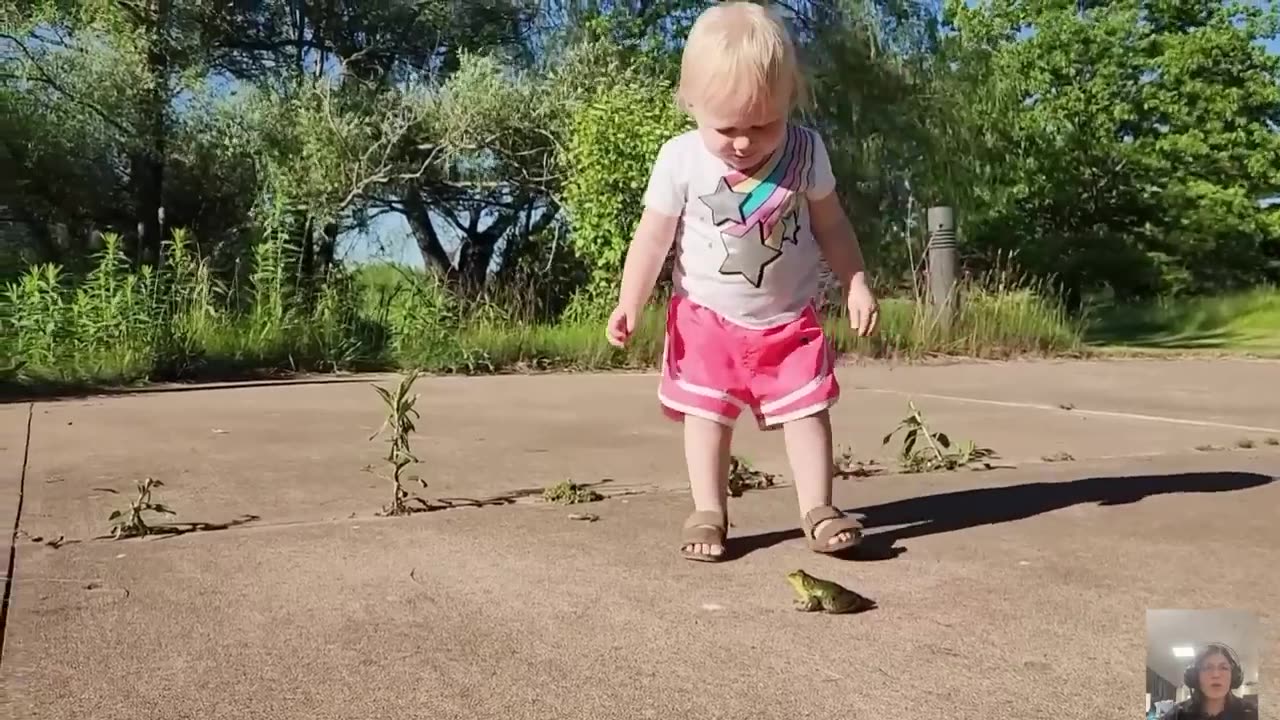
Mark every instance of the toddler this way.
pixel 749 200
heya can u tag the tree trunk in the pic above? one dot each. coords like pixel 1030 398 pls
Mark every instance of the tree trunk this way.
pixel 474 259
pixel 149 165
pixel 476 254
pixel 327 247
pixel 307 263
pixel 418 214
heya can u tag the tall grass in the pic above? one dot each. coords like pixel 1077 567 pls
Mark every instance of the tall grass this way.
pixel 1248 320
pixel 118 325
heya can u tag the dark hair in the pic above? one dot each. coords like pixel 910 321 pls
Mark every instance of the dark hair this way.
pixel 1192 675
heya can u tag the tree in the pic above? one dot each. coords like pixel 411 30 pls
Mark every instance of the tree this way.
pixel 97 85
pixel 871 64
pixel 1119 145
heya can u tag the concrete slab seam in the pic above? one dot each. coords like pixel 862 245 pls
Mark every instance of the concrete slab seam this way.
pixel 1077 411
pixel 17 524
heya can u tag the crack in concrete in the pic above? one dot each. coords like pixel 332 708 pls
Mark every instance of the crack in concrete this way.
pixel 17 525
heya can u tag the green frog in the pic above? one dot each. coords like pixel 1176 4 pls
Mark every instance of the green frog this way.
pixel 813 594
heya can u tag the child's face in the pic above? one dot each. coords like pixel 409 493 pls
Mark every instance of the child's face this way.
pixel 742 138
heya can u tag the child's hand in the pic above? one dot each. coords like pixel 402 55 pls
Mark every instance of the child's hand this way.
pixel 621 324
pixel 864 311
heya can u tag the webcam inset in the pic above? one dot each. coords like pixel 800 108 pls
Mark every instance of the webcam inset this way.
pixel 1202 664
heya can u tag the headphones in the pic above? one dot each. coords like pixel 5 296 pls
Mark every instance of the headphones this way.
pixel 1191 676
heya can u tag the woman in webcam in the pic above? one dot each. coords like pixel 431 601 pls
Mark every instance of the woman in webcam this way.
pixel 1214 674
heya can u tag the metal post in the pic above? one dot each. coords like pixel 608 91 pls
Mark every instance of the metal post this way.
pixel 942 261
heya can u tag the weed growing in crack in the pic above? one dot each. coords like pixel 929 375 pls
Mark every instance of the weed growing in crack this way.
pixel 744 477
pixel 399 425
pixel 926 451
pixel 570 493
pixel 1246 444
pixel 1272 441
pixel 130 523
pixel 847 465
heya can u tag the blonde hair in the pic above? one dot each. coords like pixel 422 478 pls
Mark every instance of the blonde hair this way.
pixel 739 55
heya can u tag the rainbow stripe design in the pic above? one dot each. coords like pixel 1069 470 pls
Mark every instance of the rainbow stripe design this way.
pixel 774 191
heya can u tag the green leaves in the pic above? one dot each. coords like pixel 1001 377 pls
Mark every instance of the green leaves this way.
pixel 614 137
pixel 743 477
pixel 131 522
pixel 399 423
pixel 570 493
pixel 937 453
pixel 1123 147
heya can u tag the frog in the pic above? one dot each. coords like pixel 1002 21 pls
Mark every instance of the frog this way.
pixel 814 594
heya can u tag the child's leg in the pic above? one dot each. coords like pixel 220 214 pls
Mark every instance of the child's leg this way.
pixel 796 386
pixel 701 386
pixel 808 442
pixel 706 451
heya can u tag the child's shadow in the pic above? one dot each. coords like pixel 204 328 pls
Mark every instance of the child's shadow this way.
pixel 947 512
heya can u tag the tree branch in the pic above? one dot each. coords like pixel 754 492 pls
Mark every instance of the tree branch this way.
pixel 53 83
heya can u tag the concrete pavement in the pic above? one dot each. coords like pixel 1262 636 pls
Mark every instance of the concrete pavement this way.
pixel 1010 593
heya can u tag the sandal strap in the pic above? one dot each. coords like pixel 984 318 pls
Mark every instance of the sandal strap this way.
pixel 836 523
pixel 818 515
pixel 835 527
pixel 702 536
pixel 704 518
pixel 704 527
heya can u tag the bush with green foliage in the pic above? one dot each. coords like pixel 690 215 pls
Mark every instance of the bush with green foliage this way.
pixel 1124 147
pixel 613 139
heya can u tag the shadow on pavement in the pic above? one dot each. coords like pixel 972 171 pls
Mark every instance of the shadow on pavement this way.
pixel 168 530
pixel 963 509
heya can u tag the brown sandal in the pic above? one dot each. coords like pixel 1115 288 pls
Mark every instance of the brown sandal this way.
pixel 839 522
pixel 707 528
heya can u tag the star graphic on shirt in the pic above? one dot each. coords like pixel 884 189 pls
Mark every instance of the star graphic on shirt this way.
pixel 748 255
pixel 725 204
pixel 791 228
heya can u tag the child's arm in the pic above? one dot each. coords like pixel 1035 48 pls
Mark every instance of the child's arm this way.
pixel 839 244
pixel 653 239
pixel 838 241
pixel 664 199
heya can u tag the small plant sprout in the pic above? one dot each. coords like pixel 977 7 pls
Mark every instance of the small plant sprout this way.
pixel 130 523
pixel 744 477
pixel 1246 444
pixel 847 465
pixel 1272 441
pixel 398 426
pixel 570 493
pixel 926 451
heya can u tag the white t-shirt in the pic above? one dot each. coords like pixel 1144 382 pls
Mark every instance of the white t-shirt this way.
pixel 745 248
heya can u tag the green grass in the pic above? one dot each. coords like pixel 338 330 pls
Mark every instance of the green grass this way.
pixel 1247 321
pixel 118 326
pixel 989 325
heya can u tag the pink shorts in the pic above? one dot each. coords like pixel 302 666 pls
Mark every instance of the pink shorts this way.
pixel 714 369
